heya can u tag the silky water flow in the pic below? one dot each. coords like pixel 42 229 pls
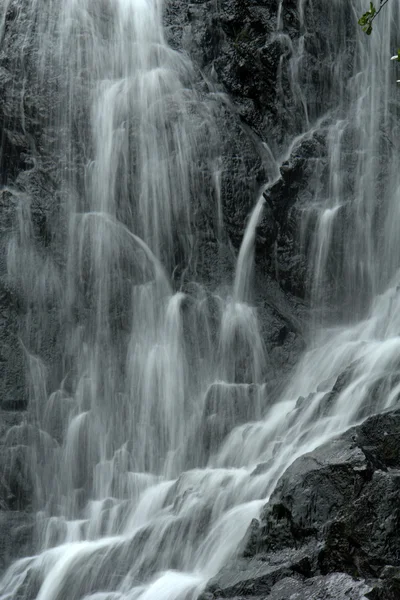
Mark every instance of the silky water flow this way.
pixel 144 457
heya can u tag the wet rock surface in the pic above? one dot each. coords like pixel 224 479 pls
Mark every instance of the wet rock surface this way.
pixel 16 520
pixel 17 533
pixel 222 39
pixel 270 64
pixel 226 406
pixel 331 527
pixel 29 202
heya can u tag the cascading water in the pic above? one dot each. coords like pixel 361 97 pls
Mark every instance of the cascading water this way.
pixel 144 455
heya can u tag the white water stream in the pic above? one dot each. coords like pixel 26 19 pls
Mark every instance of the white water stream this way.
pixel 144 483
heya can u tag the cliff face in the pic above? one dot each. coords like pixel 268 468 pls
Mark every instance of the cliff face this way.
pixel 273 63
pixel 329 529
pixel 265 70
pixel 237 57
pixel 34 164
pixel 29 199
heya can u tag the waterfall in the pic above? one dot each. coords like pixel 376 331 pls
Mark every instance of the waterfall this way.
pixel 144 442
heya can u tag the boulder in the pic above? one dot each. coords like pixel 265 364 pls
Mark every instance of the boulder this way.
pixel 333 517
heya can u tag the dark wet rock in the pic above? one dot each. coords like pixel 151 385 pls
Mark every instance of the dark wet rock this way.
pixel 333 587
pixel 226 406
pixel 305 165
pixel 289 198
pixel 223 39
pixel 28 198
pixel 277 72
pixel 251 85
pixel 25 453
pixel 334 516
pixel 26 434
pixel 17 536
pixel 251 578
pixel 285 581
pixel 380 437
pixel 311 492
pixel 13 392
pixel 283 322
pixel 388 589
pixel 9 419
pixel 17 482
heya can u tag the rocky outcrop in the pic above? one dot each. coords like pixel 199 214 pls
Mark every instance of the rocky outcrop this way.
pixel 331 526
pixel 29 201
pixel 222 39
pixel 16 520
pixel 264 70
pixel 272 58
pixel 17 534
pixel 274 62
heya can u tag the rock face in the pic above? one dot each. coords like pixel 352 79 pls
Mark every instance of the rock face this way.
pixel 29 203
pixel 222 39
pixel 32 223
pixel 16 536
pixel 274 60
pixel 331 527
pixel 16 521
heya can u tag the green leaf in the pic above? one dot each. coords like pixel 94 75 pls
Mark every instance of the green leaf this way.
pixel 365 21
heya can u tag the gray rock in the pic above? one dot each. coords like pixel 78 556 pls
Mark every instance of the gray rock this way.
pixel 226 406
pixel 332 587
pixel 17 536
pixel 333 517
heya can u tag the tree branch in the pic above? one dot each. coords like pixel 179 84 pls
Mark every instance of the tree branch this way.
pixel 379 9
